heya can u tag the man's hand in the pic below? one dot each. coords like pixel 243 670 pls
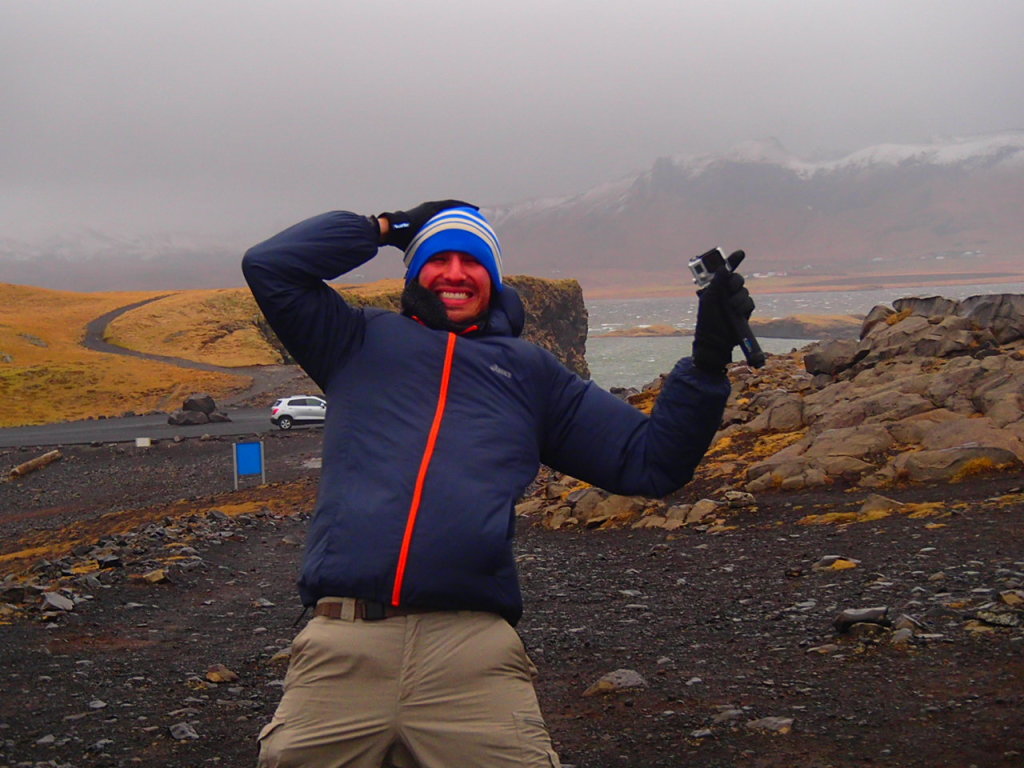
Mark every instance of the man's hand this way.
pixel 401 226
pixel 714 337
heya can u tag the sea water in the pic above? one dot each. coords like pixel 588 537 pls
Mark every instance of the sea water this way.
pixel 632 362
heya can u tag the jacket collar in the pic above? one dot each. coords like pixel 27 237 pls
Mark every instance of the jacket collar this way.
pixel 506 316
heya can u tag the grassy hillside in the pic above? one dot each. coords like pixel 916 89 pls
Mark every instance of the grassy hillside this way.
pixel 219 326
pixel 46 375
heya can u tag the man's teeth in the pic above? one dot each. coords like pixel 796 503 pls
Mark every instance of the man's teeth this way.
pixel 453 295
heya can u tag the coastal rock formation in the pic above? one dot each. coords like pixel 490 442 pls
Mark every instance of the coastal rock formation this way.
pixel 809 327
pixel 933 390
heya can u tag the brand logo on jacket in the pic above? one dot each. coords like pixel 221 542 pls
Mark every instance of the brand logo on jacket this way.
pixel 500 371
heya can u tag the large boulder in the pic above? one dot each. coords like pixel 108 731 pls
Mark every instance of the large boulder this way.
pixel 183 418
pixel 1002 314
pixel 954 464
pixel 201 402
pixel 197 408
pixel 931 306
pixel 969 431
pixel 878 316
pixel 832 357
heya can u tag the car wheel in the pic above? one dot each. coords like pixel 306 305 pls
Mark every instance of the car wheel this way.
pixel 284 422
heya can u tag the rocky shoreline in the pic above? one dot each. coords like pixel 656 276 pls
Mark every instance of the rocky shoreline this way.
pixel 932 391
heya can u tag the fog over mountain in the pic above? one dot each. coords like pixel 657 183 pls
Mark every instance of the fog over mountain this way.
pixel 950 206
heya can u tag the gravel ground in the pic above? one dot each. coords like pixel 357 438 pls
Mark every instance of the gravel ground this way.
pixel 729 636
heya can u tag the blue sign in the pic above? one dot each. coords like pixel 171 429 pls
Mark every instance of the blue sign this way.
pixel 249 461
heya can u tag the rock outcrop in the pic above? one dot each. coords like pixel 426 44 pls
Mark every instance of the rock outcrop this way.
pixel 932 391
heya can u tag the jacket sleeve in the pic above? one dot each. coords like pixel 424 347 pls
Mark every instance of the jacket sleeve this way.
pixel 286 275
pixel 596 437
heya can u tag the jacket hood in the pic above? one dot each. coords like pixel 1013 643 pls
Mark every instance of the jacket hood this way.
pixel 508 316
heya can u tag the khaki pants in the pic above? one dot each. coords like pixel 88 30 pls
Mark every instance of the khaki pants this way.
pixel 429 690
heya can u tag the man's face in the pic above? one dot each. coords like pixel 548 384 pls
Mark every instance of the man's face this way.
pixel 461 282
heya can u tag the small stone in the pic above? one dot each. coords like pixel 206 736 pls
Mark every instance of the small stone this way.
pixel 835 563
pixel 781 725
pixel 614 682
pixel 183 732
pixel 740 499
pixel 845 620
pixel 1012 597
pixel 824 650
pixel 902 637
pixel 56 601
pixel 218 673
pixel 159 576
pixel 1000 618
pixel 97 704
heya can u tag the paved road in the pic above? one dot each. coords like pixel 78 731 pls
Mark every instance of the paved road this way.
pixel 244 421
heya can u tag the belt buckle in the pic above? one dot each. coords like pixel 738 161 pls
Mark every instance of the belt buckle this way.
pixel 374 611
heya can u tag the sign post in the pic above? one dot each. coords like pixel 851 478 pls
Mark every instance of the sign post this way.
pixel 248 460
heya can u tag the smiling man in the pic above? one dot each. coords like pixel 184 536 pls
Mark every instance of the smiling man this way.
pixel 438 418
pixel 456 257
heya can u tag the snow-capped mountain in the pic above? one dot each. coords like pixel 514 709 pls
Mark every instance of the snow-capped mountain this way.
pixel 947 206
pixel 890 210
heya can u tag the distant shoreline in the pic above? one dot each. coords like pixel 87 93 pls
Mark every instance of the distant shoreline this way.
pixel 808 327
pixel 774 285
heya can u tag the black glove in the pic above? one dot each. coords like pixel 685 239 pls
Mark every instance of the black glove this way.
pixel 405 224
pixel 715 336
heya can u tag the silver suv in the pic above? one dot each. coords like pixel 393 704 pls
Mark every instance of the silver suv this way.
pixel 298 409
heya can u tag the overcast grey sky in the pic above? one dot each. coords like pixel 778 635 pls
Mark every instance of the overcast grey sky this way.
pixel 240 116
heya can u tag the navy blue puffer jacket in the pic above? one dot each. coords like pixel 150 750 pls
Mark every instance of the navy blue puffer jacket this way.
pixel 431 438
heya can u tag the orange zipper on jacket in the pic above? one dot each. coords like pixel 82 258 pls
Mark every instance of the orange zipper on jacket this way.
pixel 421 477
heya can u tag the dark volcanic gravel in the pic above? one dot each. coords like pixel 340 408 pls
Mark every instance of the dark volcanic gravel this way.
pixel 725 628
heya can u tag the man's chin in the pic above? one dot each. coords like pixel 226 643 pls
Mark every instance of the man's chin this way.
pixel 426 305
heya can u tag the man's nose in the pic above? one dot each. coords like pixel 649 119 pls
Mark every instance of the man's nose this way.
pixel 456 269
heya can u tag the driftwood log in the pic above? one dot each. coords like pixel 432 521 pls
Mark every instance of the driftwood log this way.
pixel 33 464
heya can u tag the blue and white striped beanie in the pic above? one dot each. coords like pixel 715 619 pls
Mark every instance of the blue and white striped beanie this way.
pixel 455 229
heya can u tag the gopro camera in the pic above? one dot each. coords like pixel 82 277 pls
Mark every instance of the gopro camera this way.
pixel 704 266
